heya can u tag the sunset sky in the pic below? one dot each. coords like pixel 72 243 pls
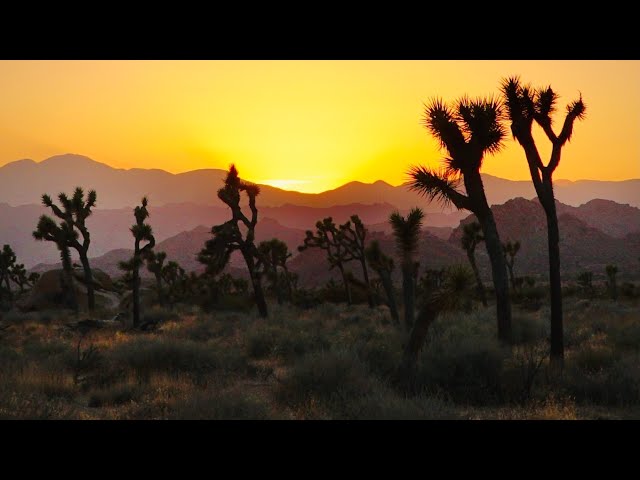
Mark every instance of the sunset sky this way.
pixel 300 125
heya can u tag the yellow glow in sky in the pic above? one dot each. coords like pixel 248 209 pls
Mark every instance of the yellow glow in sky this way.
pixel 300 125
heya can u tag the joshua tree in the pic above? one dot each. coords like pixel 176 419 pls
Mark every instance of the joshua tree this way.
pixel 453 294
pixel 19 276
pixel 142 232
pixel 155 264
pixel 274 253
pixel 612 284
pixel 526 105
pixel 227 237
pixel 74 212
pixel 329 238
pixel 62 235
pixel 7 264
pixel 176 279
pixel 511 249
pixel 383 266
pixel 354 239
pixel 471 237
pixel 585 280
pixel 407 234
pixel 468 131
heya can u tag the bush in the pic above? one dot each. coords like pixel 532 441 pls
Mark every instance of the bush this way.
pixel 285 341
pixel 381 354
pixel 528 329
pixel 115 395
pixel 232 405
pixel 326 377
pixel 146 355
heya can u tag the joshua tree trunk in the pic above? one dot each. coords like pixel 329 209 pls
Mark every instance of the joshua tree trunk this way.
pixel 136 296
pixel 67 276
pixel 345 281
pixel 406 373
pixel 557 336
pixel 385 277
pixel 475 189
pixel 278 288
pixel 408 285
pixel 88 279
pixel 476 273
pixel 511 277
pixel 259 294
pixel 158 276
pixel 365 274
pixel 289 286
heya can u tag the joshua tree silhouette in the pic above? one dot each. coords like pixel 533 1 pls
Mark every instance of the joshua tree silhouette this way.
pixel 511 249
pixel 354 235
pixel 383 266
pixel 74 213
pixel 471 237
pixel 526 105
pixel 274 253
pixel 329 238
pixel 612 284
pixel 142 232
pixel 227 237
pixel 7 264
pixel 407 235
pixel 155 263
pixel 468 131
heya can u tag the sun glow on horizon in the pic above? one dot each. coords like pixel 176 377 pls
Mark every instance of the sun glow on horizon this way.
pixel 308 126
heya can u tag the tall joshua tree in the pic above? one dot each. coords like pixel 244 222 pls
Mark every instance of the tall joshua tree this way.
pixel 155 263
pixel 468 131
pixel 274 254
pixel 511 249
pixel 526 105
pixel 329 238
pixel 407 235
pixel 227 237
pixel 471 237
pixel 383 266
pixel 354 235
pixel 74 212
pixel 7 263
pixel 142 232
pixel 62 235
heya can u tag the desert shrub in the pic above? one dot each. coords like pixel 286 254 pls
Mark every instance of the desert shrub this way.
pixel 327 377
pixel 629 290
pixel 231 405
pixel 261 340
pixel 626 335
pixel 32 406
pixel 528 329
pixel 591 359
pixel 146 355
pixel 381 354
pixel 45 350
pixel 287 340
pixel 385 404
pixel 158 316
pixel 619 384
pixel 306 299
pixel 115 395
pixel 9 359
pixel 468 369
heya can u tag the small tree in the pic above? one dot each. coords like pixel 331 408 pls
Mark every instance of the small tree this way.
pixel 176 279
pixel 7 264
pixel 354 235
pixel 612 284
pixel 74 212
pixel 155 264
pixel 62 235
pixel 228 238
pixel 407 235
pixel 585 281
pixel 274 254
pixel 330 239
pixel 383 266
pixel 511 249
pixel 471 237
pixel 19 276
pixel 142 232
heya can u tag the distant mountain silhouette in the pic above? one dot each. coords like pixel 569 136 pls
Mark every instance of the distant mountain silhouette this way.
pixel 583 246
pixel 119 188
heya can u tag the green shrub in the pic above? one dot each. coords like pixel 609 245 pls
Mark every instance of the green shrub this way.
pixel 146 355
pixel 231 405
pixel 326 377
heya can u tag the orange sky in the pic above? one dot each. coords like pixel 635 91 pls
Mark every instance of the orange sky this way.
pixel 300 125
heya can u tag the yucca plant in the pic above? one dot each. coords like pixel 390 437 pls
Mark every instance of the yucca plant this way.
pixel 155 264
pixel 526 105
pixel 471 237
pixel 274 254
pixel 329 238
pixel 74 213
pixel 354 236
pixel 511 249
pixel 228 237
pixel 468 130
pixel 406 232
pixel 383 266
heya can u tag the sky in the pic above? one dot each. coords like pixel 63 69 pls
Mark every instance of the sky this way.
pixel 300 125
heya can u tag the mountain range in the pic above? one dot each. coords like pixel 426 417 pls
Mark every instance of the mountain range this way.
pixel 24 181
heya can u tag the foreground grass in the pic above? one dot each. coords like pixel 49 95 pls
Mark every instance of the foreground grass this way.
pixel 332 362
